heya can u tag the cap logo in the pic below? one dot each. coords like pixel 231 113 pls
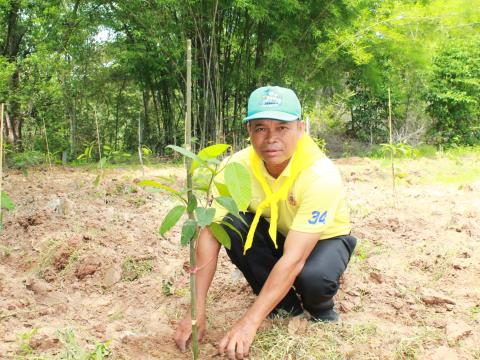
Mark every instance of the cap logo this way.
pixel 271 99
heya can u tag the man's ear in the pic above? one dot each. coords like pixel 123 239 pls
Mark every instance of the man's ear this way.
pixel 301 125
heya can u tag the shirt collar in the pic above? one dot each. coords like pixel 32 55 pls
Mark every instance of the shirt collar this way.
pixel 285 173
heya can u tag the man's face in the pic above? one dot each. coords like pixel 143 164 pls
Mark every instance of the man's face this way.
pixel 275 141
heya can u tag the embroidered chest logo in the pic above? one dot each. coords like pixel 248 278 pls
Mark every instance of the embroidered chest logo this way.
pixel 318 217
pixel 291 199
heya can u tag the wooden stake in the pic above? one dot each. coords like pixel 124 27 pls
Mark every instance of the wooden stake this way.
pixel 98 139
pixel 1 161
pixel 391 146
pixel 140 142
pixel 46 142
pixel 188 146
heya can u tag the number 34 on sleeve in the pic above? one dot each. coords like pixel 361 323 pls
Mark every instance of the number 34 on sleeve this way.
pixel 318 217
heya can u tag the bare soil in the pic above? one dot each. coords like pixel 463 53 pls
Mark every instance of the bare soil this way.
pixel 75 256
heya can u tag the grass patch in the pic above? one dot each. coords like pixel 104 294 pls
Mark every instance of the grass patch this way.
pixel 5 251
pixel 58 255
pixel 342 341
pixel 133 269
pixel 23 339
pixel 72 350
pixel 364 249
pixel 321 341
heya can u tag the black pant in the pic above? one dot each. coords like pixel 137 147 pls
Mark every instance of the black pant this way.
pixel 316 284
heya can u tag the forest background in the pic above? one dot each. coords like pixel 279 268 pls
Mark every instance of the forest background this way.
pixel 71 68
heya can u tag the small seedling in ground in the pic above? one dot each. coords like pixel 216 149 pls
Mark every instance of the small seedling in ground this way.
pixel 196 199
pixel 73 351
pixel 24 342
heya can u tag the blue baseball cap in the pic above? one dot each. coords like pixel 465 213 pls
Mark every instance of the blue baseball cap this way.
pixel 273 102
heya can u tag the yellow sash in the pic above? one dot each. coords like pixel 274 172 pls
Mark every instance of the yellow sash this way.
pixel 304 156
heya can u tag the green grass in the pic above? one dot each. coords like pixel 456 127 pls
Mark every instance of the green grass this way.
pixel 320 341
pixel 133 269
pixel 454 166
pixel 342 341
pixel 71 349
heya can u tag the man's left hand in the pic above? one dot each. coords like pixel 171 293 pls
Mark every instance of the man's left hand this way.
pixel 236 344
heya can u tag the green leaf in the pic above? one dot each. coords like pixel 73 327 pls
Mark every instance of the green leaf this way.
pixel 186 153
pixel 213 151
pixel 233 228
pixel 228 203
pixel 222 189
pixel 172 218
pixel 210 152
pixel 155 184
pixel 188 231
pixel 201 179
pixel 237 180
pixel 192 203
pixel 221 235
pixel 204 216
pixel 7 202
pixel 170 179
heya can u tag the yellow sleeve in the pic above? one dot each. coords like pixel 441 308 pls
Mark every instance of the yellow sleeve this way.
pixel 319 193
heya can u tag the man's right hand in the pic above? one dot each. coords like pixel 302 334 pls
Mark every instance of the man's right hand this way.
pixel 183 333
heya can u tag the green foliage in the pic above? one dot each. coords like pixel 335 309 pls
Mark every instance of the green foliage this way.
pixel 6 202
pixel 171 219
pixel 425 150
pixel 229 204
pixel 398 150
pixel 189 229
pixel 112 156
pixel 220 234
pixel 75 66
pixel 24 160
pixel 186 153
pixel 24 342
pixel 204 216
pixel 204 168
pixel 237 180
pixel 454 94
pixel 210 154
pixel 73 351
pixel 87 152
pixel 321 143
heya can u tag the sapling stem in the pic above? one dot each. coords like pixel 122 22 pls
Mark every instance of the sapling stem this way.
pixel 188 146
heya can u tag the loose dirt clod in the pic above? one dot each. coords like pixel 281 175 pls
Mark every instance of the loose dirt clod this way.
pixel 87 266
pixel 431 297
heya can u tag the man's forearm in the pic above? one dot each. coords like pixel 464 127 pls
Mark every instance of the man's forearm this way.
pixel 278 284
pixel 207 256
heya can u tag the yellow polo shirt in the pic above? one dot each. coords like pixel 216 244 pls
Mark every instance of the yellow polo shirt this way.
pixel 315 204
